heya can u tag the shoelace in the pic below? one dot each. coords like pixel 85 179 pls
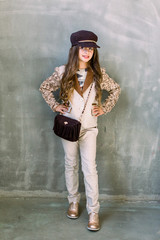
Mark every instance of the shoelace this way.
pixel 73 206
pixel 93 217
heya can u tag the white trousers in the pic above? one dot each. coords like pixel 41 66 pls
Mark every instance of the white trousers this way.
pixel 87 147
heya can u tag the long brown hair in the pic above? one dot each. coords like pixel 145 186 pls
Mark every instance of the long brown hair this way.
pixel 68 79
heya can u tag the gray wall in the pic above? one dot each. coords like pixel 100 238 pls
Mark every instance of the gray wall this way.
pixel 34 39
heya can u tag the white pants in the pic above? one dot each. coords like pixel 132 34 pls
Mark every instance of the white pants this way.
pixel 87 146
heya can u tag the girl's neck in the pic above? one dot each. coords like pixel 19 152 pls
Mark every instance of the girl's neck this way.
pixel 83 65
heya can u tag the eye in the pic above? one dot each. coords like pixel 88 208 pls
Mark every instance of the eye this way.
pixel 91 48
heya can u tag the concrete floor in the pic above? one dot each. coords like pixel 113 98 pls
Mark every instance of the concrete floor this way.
pixel 45 219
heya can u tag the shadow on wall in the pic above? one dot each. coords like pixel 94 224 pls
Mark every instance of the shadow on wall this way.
pixel 113 172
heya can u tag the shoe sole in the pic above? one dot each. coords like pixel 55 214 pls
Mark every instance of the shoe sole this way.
pixel 94 230
pixel 72 217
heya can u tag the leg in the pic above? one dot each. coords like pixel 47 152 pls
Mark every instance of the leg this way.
pixel 87 143
pixel 71 170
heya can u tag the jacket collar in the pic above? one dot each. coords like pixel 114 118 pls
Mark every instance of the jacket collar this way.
pixel 88 81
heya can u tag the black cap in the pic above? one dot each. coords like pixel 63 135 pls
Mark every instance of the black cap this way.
pixel 84 38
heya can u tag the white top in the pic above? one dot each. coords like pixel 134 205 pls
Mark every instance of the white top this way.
pixel 81 75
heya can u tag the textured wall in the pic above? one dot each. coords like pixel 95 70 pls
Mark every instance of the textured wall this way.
pixel 34 39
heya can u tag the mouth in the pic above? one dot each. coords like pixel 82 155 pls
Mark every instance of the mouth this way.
pixel 85 56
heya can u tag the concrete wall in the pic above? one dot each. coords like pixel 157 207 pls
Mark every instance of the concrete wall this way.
pixel 34 39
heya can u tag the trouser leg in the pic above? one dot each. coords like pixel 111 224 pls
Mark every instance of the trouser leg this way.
pixel 87 144
pixel 71 170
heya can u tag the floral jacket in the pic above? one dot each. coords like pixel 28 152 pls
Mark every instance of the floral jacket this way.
pixel 53 82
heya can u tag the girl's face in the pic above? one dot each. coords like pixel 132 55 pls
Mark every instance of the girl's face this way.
pixel 85 54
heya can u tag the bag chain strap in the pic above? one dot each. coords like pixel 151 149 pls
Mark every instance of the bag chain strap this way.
pixel 86 103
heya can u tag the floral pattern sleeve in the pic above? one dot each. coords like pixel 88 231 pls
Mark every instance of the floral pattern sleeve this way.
pixel 50 85
pixel 112 88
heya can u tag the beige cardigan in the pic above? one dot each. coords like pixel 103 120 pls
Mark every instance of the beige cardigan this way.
pixel 79 97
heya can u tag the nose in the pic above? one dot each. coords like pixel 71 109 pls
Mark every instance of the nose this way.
pixel 86 49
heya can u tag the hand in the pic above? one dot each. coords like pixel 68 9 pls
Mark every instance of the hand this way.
pixel 97 111
pixel 61 108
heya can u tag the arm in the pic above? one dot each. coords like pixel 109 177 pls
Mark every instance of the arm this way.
pixel 50 85
pixel 114 90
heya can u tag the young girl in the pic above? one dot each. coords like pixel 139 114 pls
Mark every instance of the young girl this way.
pixel 75 80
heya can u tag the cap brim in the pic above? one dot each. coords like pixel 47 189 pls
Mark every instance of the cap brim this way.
pixel 88 44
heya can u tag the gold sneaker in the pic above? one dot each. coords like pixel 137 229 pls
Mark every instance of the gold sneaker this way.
pixel 73 210
pixel 93 223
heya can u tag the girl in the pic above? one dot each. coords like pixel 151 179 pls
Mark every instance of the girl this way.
pixel 75 80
